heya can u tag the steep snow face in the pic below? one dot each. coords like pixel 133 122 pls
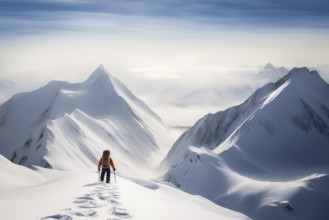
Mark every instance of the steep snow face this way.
pixel 287 134
pixel 289 115
pixel 280 134
pixel 213 129
pixel 67 126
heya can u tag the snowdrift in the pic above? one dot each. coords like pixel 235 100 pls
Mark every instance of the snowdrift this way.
pixel 14 176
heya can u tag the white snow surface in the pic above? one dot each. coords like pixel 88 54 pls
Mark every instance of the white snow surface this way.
pixel 80 195
pixel 266 158
pixel 67 126
pixel 14 176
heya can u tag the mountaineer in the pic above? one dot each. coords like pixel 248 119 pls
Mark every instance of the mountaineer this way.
pixel 106 163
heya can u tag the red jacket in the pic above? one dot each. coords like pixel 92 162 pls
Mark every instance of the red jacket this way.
pixel 106 166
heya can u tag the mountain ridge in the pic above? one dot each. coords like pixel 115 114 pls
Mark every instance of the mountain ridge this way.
pixel 262 154
pixel 255 101
pixel 55 119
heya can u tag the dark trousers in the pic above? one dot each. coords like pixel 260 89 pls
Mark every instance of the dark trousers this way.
pixel 106 171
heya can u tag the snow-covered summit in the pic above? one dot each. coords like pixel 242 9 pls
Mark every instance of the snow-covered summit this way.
pixel 300 87
pixel 272 72
pixel 66 126
pixel 99 77
pixel 280 133
pixel 269 66
pixel 306 77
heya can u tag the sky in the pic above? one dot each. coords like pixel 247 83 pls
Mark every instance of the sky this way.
pixel 151 45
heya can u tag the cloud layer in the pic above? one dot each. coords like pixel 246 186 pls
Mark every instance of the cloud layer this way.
pixel 38 16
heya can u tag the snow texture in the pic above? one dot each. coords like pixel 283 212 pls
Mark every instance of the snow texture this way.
pixel 80 195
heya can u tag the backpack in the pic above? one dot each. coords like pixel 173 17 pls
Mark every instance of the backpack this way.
pixel 106 158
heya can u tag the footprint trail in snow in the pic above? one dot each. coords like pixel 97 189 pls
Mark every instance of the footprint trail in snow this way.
pixel 103 202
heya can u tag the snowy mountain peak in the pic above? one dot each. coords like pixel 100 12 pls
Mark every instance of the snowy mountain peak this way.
pixel 303 76
pixel 269 70
pixel 76 122
pixel 297 101
pixel 269 66
pixel 299 71
pixel 99 76
pixel 274 140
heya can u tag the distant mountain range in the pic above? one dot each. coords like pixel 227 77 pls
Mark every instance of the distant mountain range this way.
pixel 220 92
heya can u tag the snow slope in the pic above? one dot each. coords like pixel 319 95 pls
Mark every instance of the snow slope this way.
pixel 67 126
pixel 266 158
pixel 79 195
pixel 14 176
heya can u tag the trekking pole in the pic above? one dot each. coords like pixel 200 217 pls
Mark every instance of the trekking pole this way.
pixel 115 178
